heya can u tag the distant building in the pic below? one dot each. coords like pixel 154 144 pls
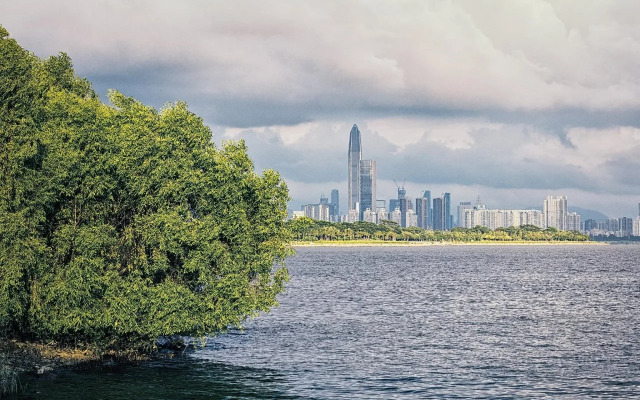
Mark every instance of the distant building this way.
pixel 636 226
pixel 464 205
pixel 479 215
pixel 369 216
pixel 590 225
pixel 442 218
pixel 335 205
pixel 612 225
pixel 439 218
pixel 367 185
pixel 427 195
pixel 447 211
pixel 382 215
pixel 626 226
pixel 316 211
pixel 573 222
pixel 297 214
pixel 555 212
pixel 422 212
pixel 396 216
pixel 411 219
pixel 352 216
pixel 361 177
pixel 381 204
pixel 354 157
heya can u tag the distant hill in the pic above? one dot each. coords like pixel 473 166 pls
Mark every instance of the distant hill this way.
pixel 585 213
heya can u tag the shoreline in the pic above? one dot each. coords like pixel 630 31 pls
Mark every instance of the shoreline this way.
pixel 370 243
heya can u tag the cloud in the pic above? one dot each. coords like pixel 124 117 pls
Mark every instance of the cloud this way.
pixel 525 96
pixel 264 63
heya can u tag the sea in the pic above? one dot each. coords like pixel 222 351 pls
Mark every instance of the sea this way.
pixel 410 322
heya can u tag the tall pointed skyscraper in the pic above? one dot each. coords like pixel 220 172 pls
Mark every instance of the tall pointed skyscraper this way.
pixel 355 155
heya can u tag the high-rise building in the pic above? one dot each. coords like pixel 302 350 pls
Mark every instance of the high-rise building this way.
pixel 555 212
pixel 411 219
pixel 396 216
pixel 354 157
pixel 367 186
pixel 335 203
pixel 636 226
pixel 464 205
pixel 370 216
pixel 638 209
pixel 422 212
pixel 573 221
pixel 427 195
pixel 439 219
pixel 447 209
pixel 382 215
pixel 626 226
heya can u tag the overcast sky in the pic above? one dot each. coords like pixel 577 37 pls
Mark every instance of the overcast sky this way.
pixel 510 100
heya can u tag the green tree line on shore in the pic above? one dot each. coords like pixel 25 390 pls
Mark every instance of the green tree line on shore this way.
pixel 121 223
pixel 307 229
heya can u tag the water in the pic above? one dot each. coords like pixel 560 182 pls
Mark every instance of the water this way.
pixel 414 323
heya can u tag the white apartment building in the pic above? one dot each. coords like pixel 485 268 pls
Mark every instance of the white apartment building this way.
pixel 555 212
pixel 494 219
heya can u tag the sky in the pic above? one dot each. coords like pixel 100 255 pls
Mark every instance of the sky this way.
pixel 509 100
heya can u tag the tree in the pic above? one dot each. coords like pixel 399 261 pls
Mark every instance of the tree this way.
pixel 121 223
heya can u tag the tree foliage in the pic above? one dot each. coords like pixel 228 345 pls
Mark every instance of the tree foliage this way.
pixel 120 223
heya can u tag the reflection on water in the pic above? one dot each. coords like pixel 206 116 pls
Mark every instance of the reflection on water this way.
pixel 414 323
pixel 179 378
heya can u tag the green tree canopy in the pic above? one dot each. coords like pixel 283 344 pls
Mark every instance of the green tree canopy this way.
pixel 120 223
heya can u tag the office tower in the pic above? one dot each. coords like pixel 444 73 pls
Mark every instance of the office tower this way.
pixel 354 157
pixel 367 186
pixel 324 200
pixel 447 210
pixel 464 205
pixel 422 212
pixel 555 212
pixel 427 195
pixel 403 205
pixel 381 204
pixel 335 202
pixel 438 214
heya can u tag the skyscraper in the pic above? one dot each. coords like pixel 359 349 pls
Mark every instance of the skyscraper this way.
pixel 354 157
pixel 427 195
pixel 367 186
pixel 555 212
pixel 335 202
pixel 422 212
pixel 447 211
pixel 439 220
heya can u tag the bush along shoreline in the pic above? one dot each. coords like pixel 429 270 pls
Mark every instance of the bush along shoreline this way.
pixel 120 223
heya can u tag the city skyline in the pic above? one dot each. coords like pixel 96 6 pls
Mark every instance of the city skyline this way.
pixel 513 101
